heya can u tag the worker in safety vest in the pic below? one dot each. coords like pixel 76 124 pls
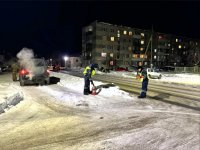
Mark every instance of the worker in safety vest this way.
pixel 142 77
pixel 88 73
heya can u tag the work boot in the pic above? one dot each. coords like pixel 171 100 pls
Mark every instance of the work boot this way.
pixel 141 96
pixel 85 92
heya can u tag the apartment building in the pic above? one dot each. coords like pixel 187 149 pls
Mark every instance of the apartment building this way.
pixel 113 46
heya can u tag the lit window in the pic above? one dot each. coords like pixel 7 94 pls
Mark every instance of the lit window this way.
pixel 141 56
pixel 176 40
pixel 112 38
pixel 111 54
pixel 142 34
pixel 141 48
pixel 118 31
pixel 142 42
pixel 130 33
pixel 135 56
pixel 118 35
pixel 155 50
pixel 90 54
pixel 145 63
pixel 103 54
pixel 154 57
pixel 179 46
pixel 90 29
pixel 145 56
pixel 169 44
pixel 125 32
pixel 129 48
pixel 172 48
pixel 140 63
pixel 111 63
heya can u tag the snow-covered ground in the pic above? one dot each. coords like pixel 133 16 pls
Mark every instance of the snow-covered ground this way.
pixel 111 120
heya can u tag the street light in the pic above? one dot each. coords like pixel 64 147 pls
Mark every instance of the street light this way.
pixel 66 58
pixel 51 62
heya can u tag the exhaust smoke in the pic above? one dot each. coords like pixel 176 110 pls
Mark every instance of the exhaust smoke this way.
pixel 25 59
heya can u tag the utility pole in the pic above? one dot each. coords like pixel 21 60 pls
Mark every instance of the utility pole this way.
pixel 151 46
pixel 150 40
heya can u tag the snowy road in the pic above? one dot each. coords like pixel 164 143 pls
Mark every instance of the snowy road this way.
pixel 59 116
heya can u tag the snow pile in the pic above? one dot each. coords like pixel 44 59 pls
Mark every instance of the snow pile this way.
pixel 10 96
pixel 72 94
pixel 77 84
pixel 192 79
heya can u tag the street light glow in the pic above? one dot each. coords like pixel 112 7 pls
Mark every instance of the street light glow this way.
pixel 66 58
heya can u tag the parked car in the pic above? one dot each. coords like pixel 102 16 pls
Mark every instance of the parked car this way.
pixel 34 74
pixel 6 68
pixel 153 74
pixel 121 69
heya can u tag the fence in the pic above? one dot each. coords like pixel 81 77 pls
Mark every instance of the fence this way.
pixel 188 69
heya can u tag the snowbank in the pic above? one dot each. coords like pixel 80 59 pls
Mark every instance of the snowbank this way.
pixel 72 94
pixel 10 96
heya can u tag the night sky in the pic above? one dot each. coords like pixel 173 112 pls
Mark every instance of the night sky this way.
pixel 50 27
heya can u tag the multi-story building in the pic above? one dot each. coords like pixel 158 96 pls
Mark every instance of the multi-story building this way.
pixel 113 46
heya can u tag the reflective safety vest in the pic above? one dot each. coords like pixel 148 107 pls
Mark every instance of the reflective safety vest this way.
pixel 87 71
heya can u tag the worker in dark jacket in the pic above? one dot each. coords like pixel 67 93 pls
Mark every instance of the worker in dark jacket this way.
pixel 15 70
pixel 142 76
pixel 88 73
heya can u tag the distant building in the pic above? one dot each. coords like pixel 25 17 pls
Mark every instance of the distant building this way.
pixel 113 46
pixel 74 62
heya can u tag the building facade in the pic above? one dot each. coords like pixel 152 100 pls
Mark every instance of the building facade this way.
pixel 113 46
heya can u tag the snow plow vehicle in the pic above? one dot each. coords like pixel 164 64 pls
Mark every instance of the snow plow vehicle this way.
pixel 35 71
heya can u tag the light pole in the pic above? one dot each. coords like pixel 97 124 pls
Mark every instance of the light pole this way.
pixel 51 62
pixel 66 58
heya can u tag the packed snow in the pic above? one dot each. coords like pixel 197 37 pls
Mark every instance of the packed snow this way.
pixel 114 119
